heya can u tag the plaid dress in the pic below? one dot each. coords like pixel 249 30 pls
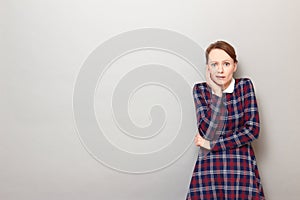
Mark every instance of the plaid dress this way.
pixel 231 123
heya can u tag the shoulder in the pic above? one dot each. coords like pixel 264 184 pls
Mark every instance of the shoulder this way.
pixel 200 87
pixel 244 84
pixel 201 90
pixel 243 81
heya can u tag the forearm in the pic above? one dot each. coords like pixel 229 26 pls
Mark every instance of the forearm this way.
pixel 208 118
pixel 235 139
pixel 245 134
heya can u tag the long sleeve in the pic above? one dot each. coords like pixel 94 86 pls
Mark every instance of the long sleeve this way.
pixel 208 111
pixel 249 131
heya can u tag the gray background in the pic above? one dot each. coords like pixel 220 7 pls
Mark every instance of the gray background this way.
pixel 43 45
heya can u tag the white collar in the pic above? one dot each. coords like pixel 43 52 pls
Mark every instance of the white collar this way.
pixel 230 88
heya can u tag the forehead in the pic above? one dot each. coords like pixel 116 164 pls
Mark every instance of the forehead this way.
pixel 218 55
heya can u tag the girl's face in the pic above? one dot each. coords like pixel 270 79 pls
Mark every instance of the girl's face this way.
pixel 221 67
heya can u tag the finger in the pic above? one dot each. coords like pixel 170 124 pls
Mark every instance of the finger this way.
pixel 207 72
pixel 207 67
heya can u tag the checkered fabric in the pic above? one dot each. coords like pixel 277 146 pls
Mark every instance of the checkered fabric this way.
pixel 231 123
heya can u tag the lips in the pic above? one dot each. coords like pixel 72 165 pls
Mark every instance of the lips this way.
pixel 221 77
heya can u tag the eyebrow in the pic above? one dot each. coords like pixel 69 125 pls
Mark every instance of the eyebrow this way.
pixel 221 61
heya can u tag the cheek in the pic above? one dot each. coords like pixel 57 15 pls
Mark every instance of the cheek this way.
pixel 230 72
pixel 213 70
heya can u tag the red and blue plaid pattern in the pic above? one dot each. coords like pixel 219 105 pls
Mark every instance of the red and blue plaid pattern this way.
pixel 231 123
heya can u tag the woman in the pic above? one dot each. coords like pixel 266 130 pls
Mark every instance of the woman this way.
pixel 228 121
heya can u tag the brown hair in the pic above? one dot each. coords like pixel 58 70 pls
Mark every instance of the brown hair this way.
pixel 223 46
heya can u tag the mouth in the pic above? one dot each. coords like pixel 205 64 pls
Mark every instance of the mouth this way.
pixel 220 77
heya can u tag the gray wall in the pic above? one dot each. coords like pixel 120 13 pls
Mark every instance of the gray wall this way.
pixel 44 47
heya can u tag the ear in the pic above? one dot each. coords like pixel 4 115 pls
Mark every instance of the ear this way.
pixel 235 67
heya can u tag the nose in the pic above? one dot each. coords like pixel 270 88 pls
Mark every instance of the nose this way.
pixel 220 69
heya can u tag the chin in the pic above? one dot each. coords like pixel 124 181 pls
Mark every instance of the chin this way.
pixel 221 83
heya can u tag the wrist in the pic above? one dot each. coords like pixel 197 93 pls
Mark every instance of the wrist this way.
pixel 218 92
pixel 206 144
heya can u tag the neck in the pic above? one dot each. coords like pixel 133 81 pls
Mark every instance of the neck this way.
pixel 226 85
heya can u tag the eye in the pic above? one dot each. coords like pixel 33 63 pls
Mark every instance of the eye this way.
pixel 226 64
pixel 213 64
